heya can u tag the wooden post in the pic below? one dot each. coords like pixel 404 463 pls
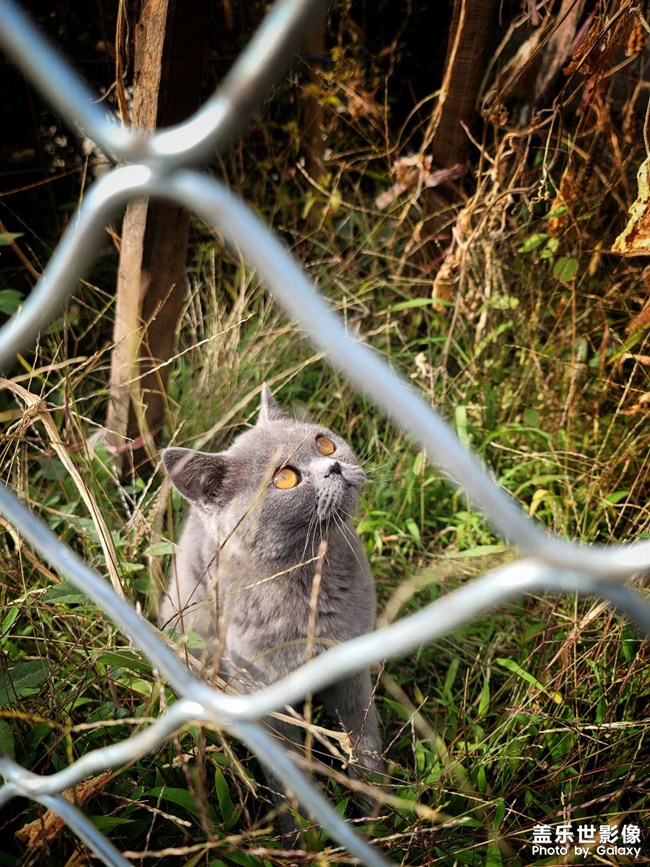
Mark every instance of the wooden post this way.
pixel 170 49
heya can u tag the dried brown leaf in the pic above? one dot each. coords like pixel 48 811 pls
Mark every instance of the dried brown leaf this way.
pixel 634 240
pixel 47 827
pixel 636 40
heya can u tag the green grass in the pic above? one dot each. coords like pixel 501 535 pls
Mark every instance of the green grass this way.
pixel 536 713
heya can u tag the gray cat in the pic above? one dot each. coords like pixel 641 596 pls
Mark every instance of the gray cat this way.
pixel 266 515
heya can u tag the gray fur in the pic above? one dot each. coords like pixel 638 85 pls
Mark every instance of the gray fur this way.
pixel 242 531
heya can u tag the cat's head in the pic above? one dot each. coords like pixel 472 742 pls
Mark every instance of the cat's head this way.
pixel 282 486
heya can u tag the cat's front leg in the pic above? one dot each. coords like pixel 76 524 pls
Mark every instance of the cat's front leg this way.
pixel 351 702
pixel 291 738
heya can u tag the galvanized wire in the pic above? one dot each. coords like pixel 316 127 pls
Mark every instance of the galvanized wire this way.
pixel 160 165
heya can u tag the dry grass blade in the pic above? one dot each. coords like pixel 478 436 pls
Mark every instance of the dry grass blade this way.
pixel 36 406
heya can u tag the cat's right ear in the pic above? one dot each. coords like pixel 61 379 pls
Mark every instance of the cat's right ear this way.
pixel 200 477
pixel 270 410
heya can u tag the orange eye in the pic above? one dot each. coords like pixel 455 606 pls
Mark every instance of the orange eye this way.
pixel 286 478
pixel 325 446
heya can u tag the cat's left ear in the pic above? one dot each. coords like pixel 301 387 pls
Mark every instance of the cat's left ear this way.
pixel 201 477
pixel 270 411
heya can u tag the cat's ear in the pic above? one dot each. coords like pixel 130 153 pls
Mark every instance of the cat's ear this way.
pixel 270 411
pixel 199 476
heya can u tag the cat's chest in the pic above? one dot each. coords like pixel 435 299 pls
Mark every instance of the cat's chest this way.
pixel 285 610
pixel 274 632
pixel 289 600
pixel 276 617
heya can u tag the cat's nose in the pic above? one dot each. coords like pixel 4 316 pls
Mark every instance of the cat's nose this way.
pixel 335 469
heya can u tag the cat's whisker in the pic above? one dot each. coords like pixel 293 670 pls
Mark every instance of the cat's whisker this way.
pixel 344 532
pixel 307 536
pixel 392 459
pixel 375 473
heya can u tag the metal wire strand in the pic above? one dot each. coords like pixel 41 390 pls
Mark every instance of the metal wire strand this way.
pixel 212 128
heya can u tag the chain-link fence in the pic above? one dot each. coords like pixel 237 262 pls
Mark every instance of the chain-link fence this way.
pixel 160 165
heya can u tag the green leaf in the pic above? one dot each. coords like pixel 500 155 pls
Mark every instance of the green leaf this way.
pixel 7 238
pixel 414 530
pixel 419 463
pixel 159 549
pixel 629 644
pixel 10 300
pixel 550 249
pixel 7 743
pixel 243 859
pixel 412 303
pixel 107 823
pixel 533 242
pixel 194 862
pixel 180 797
pixel 10 618
pixel 452 671
pixel 512 666
pixel 493 858
pixel 616 497
pixel 460 419
pixel 484 701
pixel 21 680
pixel 342 806
pixel 64 593
pixel 565 269
pixel 124 659
pixel 476 551
pixel 399 709
pixel 226 805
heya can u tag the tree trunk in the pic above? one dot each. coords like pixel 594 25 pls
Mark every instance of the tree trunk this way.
pixel 468 47
pixel 170 48
pixel 311 108
pixel 558 51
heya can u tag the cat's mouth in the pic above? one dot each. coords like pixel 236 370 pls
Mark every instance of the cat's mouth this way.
pixel 352 476
pixel 337 497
